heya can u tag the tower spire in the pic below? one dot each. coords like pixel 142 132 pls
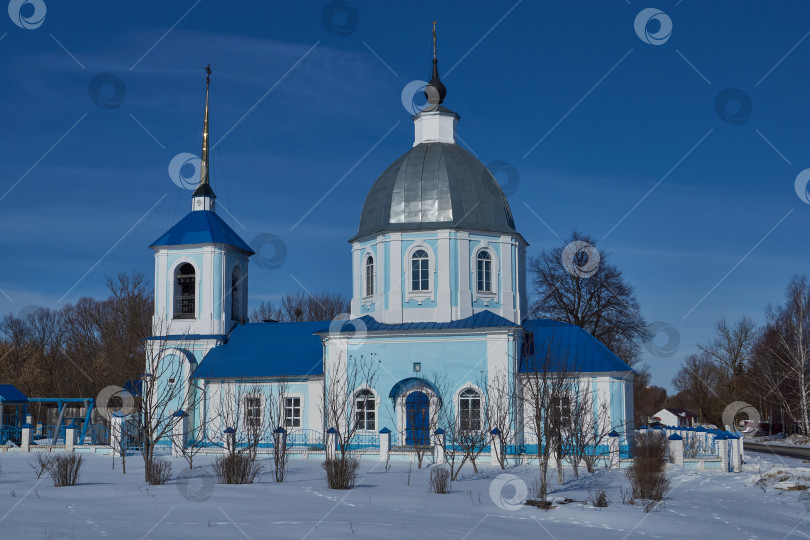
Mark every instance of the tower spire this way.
pixel 203 197
pixel 435 91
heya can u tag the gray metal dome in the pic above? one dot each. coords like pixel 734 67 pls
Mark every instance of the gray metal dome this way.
pixel 435 186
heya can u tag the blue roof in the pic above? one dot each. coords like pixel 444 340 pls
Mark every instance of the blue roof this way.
pixel 566 342
pixel 266 350
pixel 201 227
pixel 9 393
pixel 482 319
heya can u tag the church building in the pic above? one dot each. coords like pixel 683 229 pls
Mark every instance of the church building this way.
pixel 439 309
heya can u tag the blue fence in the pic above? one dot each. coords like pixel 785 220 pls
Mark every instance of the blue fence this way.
pixel 10 434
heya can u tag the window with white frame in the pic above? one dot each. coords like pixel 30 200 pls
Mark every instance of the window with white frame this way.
pixel 469 410
pixel 292 412
pixel 185 298
pixel 253 411
pixel 420 271
pixel 484 272
pixel 369 269
pixel 366 410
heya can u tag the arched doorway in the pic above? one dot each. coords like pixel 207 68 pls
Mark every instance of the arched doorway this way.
pixel 417 419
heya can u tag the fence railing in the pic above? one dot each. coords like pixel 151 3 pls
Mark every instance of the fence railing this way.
pixel 10 433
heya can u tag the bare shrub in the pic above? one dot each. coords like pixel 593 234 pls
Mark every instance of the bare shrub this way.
pixel 646 475
pixel 64 469
pixel 440 480
pixel 161 471
pixel 236 469
pixel 341 472
pixel 599 499
pixel 40 463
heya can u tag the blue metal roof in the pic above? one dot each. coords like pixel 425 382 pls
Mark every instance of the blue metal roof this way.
pixel 266 350
pixel 201 227
pixel 10 394
pixel 569 343
pixel 412 382
pixel 483 319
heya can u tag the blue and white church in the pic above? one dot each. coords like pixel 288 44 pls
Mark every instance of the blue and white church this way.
pixel 439 292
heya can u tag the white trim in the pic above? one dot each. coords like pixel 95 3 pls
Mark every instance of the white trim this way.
pixel 368 298
pixel 197 284
pixel 457 402
pixel 495 272
pixel 377 404
pixel 429 294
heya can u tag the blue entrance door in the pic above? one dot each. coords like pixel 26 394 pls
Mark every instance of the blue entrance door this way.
pixel 417 421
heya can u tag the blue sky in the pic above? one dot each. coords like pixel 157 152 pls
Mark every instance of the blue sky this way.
pixel 698 210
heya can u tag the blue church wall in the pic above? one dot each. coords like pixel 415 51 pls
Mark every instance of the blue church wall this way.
pixel 461 359
pixel 386 273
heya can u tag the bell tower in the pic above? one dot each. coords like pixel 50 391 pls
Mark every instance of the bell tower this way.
pixel 201 265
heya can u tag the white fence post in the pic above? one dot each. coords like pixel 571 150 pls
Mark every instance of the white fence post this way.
pixel 722 448
pixel 70 437
pixel 615 457
pixel 331 443
pixel 438 446
pixel 495 447
pixel 676 449
pixel 116 433
pixel 179 433
pixel 385 443
pixel 25 436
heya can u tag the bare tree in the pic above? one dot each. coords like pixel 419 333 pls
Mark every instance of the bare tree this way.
pixel 698 379
pixel 165 389
pixel 275 424
pixel 342 381
pixel 577 284
pixel 587 427
pixel 322 306
pixel 547 385
pixel 265 312
pixel 785 347
pixel 731 350
pixel 500 397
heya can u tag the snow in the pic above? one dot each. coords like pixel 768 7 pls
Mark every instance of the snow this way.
pixel 781 440
pixel 106 503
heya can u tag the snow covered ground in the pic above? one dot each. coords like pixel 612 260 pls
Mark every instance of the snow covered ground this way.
pixel 106 503
pixel 781 440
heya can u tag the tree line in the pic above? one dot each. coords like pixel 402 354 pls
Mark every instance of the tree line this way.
pixel 767 366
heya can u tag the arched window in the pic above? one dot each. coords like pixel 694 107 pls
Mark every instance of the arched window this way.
pixel 236 294
pixel 419 271
pixel 469 410
pixel 366 410
pixel 484 273
pixel 369 276
pixel 185 298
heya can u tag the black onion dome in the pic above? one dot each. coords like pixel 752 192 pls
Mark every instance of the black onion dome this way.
pixel 435 91
pixel 435 186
